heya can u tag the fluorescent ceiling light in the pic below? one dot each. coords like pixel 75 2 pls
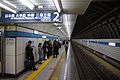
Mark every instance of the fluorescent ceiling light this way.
pixel 112 44
pixel 40 6
pixel 9 3
pixel 35 32
pixel 44 37
pixel 59 27
pixel 55 24
pixel 7 8
pixel 57 5
pixel 27 3
pixel 67 24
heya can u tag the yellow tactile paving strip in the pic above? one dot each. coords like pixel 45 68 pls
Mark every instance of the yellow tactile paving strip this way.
pixel 56 71
pixel 34 74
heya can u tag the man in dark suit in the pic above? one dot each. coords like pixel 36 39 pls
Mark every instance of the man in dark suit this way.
pixel 29 56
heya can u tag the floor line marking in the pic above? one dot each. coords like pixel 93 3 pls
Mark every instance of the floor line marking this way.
pixel 55 75
pixel 42 66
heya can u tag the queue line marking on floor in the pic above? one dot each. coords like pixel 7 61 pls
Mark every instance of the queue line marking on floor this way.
pixel 42 66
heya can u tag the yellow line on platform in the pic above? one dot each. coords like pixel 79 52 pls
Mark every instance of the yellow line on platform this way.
pixel 56 71
pixel 42 66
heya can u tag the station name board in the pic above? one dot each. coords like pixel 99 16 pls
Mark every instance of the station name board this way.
pixel 31 17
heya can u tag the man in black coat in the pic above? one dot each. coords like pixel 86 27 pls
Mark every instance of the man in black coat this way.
pixel 55 49
pixel 29 57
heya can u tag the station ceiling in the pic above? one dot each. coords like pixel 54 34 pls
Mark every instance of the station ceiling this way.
pixel 80 13
pixel 70 7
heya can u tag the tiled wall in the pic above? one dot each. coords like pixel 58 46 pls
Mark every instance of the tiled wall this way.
pixel 15 52
pixel 10 55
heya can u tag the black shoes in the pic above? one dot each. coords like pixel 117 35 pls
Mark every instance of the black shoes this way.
pixel 40 63
pixel 34 69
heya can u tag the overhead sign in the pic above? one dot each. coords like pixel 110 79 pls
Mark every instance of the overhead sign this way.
pixel 31 17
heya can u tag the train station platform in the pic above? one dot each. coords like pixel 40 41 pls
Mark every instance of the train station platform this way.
pixel 61 68
pixel 33 29
pixel 78 64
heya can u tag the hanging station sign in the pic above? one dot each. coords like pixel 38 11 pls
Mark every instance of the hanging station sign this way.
pixel 31 17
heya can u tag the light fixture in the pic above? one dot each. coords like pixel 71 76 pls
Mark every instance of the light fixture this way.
pixel 111 44
pixel 27 3
pixel 67 24
pixel 9 3
pixel 7 8
pixel 35 32
pixel 59 27
pixel 57 5
pixel 40 6
pixel 44 37
pixel 55 24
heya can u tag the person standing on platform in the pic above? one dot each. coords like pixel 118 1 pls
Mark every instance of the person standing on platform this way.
pixel 66 47
pixel 40 52
pixel 55 49
pixel 45 50
pixel 29 57
pixel 50 48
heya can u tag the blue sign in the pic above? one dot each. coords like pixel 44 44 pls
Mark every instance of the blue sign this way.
pixel 31 17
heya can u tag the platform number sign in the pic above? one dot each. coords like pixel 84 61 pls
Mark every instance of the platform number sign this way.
pixel 31 17
pixel 56 17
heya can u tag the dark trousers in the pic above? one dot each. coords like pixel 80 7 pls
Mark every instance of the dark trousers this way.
pixel 66 49
pixel 29 63
pixel 48 54
pixel 55 53
pixel 40 59
pixel 32 64
pixel 44 54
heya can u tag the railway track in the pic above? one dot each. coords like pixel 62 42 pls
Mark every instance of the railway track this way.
pixel 87 67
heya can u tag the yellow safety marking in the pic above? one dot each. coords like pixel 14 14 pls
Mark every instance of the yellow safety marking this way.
pixel 42 66
pixel 56 71
pixel 38 40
